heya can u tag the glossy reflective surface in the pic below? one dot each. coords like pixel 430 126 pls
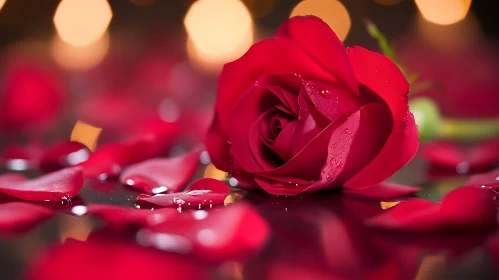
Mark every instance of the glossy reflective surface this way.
pixel 322 236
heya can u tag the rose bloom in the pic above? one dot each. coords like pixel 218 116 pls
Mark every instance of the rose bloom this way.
pixel 299 113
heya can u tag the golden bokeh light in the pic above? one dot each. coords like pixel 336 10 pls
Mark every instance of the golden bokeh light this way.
pixel 388 204
pixel 72 227
pixel 2 2
pixel 81 22
pixel 219 31
pixel 443 12
pixel 431 267
pixel 79 58
pixel 212 172
pixel 330 11
pixel 86 134
pixel 449 38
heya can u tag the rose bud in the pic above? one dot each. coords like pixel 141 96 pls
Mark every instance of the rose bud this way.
pixel 299 113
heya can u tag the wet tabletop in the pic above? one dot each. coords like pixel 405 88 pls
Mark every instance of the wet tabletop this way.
pixel 252 235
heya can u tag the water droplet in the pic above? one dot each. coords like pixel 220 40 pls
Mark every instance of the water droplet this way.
pixel 200 214
pixel 102 177
pixel 178 201
pixel 325 93
pixel 463 168
pixel 257 83
pixel 159 189
pixel 197 192
pixel 79 210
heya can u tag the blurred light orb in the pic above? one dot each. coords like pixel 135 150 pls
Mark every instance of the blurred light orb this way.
pixel 219 31
pixel 82 22
pixel 2 2
pixel 443 12
pixel 79 58
pixel 330 11
pixel 449 38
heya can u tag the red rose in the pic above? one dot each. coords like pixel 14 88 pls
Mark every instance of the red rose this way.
pixel 297 113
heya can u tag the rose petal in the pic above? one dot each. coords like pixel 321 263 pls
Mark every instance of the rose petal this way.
pixel 17 157
pixel 283 142
pixel 442 153
pixel 22 216
pixel 463 209
pixel 297 174
pixel 162 174
pixel 452 155
pixel 323 45
pixel 111 258
pixel 400 147
pixel 259 145
pixel 116 110
pixel 271 56
pixel 329 99
pixel 121 218
pixel 348 151
pixel 108 160
pixel 217 146
pixel 213 237
pixel 383 190
pixel 254 107
pixel 485 180
pixel 310 123
pixel 202 192
pixel 56 186
pixel 378 73
pixel 62 155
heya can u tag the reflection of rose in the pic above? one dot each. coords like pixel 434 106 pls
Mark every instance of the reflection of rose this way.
pixel 298 113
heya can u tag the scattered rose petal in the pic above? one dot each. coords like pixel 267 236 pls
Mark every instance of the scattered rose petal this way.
pixel 22 216
pixel 201 193
pixel 383 190
pixel 62 155
pixel 120 217
pixel 452 155
pixel 162 174
pixel 231 233
pixel 149 139
pixel 485 180
pixel 463 209
pixel 108 161
pixel 17 157
pixel 56 186
pixel 108 258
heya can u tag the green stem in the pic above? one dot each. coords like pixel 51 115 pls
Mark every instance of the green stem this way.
pixel 469 130
pixel 388 49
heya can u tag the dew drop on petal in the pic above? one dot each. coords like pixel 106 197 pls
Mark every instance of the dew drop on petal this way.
pixel 463 168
